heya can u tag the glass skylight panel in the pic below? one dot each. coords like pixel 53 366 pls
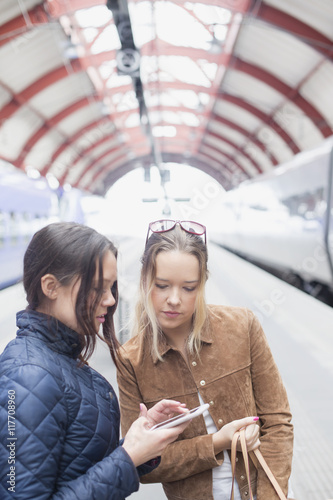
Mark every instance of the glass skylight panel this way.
pixel 90 34
pixel 187 98
pixel 167 99
pixel 220 32
pixel 125 101
pixel 116 80
pixel 107 40
pixel 186 31
pixel 189 119
pixel 153 20
pixel 143 34
pixel 184 69
pixel 142 21
pixel 106 69
pixel 204 98
pixel 171 117
pixel 94 17
pixel 162 98
pixel 174 98
pixel 209 69
pixel 165 131
pixel 133 120
pixel 210 14
pixel 151 71
pixel 148 69
pixel 164 116
pixel 165 76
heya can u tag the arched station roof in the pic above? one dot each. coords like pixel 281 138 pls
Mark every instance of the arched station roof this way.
pixel 90 91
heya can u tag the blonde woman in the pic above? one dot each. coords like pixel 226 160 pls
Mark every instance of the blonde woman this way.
pixel 187 350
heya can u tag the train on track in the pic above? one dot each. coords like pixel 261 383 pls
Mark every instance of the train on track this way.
pixel 283 221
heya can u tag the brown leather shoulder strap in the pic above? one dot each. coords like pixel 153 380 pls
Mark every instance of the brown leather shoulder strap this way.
pixel 256 456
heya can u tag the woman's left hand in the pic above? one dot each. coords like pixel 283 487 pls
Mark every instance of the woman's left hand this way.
pixel 252 434
pixel 222 438
pixel 163 410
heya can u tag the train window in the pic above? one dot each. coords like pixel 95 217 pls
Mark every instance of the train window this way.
pixel 309 205
pixel 258 207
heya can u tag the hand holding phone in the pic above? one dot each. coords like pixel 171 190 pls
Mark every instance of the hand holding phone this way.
pixel 179 419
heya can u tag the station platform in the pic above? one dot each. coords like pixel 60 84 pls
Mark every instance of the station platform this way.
pixel 299 330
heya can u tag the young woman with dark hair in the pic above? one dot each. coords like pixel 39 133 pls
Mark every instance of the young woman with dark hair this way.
pixel 184 349
pixel 59 418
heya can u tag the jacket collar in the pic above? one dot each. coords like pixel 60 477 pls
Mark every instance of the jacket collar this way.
pixel 164 347
pixel 55 334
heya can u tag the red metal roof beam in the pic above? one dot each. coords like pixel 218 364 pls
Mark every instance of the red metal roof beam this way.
pixel 292 25
pixel 18 26
pixel 58 8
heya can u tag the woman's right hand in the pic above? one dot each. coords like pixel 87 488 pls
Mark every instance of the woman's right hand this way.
pixel 142 444
pixel 222 438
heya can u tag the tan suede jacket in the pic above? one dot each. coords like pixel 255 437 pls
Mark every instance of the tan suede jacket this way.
pixel 237 376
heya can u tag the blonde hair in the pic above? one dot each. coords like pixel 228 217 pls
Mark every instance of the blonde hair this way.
pixel 145 323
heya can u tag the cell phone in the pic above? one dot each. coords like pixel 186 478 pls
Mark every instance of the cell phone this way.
pixel 184 417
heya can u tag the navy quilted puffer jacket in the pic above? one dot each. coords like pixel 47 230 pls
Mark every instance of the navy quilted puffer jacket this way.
pixel 59 423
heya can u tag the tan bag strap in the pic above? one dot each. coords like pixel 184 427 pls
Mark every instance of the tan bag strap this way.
pixel 269 473
pixel 241 435
pixel 257 457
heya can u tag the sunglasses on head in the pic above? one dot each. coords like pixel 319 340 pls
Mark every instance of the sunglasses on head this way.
pixel 164 225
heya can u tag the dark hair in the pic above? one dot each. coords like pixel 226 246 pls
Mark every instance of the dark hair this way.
pixel 70 252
